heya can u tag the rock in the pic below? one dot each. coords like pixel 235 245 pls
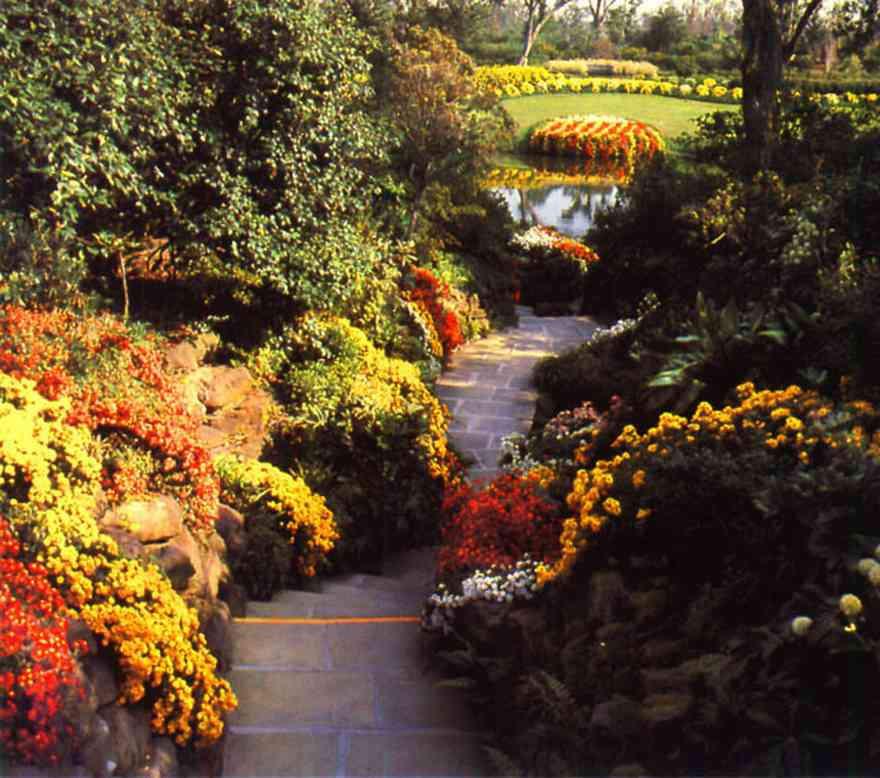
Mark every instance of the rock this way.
pixel 211 438
pixel 128 544
pixel 78 630
pixel 182 356
pixel 661 652
pixel 239 429
pixel 236 597
pixel 103 679
pixel 216 624
pixel 189 393
pixel 178 559
pixel 666 709
pixel 230 526
pixel 97 752
pixel 213 571
pixel 150 521
pixel 650 606
pixel 161 760
pixel 608 597
pixel 82 711
pixel 129 735
pixel 631 770
pixel 619 717
pixel 205 343
pixel 223 386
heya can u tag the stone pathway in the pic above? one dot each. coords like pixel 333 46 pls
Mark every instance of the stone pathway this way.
pixel 488 384
pixel 338 682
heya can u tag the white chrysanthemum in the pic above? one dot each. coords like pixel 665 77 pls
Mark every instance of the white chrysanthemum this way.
pixel 800 625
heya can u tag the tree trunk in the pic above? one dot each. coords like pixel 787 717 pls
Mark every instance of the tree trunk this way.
pixel 763 58
pixel 530 35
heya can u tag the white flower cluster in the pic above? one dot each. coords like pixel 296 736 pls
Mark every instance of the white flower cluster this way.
pixel 534 238
pixel 493 585
pixel 513 446
pixel 604 334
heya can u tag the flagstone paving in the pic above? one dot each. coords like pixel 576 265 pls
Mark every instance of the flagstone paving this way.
pixel 488 385
pixel 338 682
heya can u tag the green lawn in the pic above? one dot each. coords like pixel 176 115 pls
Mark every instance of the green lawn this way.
pixel 672 116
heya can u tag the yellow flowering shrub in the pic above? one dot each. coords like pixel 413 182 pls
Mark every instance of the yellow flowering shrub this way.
pixel 50 472
pixel 248 485
pixel 769 434
pixel 338 378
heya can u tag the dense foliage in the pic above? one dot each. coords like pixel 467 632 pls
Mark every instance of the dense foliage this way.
pixel 234 134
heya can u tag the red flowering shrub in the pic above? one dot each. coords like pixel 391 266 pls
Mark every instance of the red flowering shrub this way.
pixel 430 292
pixel 38 676
pixel 120 391
pixel 498 525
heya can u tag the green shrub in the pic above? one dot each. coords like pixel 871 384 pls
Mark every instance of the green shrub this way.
pixel 194 124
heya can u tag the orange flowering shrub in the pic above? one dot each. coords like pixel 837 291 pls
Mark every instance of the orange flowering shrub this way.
pixel 499 525
pixel 38 676
pixel 120 391
pixel 429 293
pixel 48 475
pixel 598 137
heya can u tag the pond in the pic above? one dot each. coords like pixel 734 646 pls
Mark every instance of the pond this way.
pixel 557 193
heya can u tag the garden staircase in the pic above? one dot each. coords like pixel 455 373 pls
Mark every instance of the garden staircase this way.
pixel 337 682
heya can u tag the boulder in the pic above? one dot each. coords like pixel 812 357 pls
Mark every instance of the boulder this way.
pixel 182 356
pixel 216 624
pixel 230 525
pixel 150 521
pixel 129 736
pixel 210 574
pixel 223 386
pixel 102 675
pixel 236 597
pixel 128 544
pixel 97 752
pixel 161 760
pixel 180 558
pixel 77 629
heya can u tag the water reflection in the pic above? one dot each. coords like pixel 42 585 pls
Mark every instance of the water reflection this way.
pixel 570 209
pixel 557 193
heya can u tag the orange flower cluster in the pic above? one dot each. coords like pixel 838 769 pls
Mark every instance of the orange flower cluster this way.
pixel 598 137
pixel 37 668
pixel 498 525
pixel 120 391
pixel 428 292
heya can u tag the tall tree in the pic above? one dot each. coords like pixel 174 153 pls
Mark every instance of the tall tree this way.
pixel 599 11
pixel 447 124
pixel 537 14
pixel 771 29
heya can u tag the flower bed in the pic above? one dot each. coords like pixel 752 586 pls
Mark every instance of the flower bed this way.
pixel 48 494
pixel 523 81
pixel 499 525
pixel 598 137
pixel 590 172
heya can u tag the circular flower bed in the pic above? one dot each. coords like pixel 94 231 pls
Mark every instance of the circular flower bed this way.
pixel 598 137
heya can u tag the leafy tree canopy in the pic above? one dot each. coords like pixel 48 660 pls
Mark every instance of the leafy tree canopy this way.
pixel 234 132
